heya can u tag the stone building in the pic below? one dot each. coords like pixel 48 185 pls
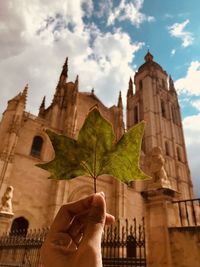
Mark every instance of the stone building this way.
pixel 24 144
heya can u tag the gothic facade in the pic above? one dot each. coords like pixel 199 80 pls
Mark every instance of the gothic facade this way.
pixel 24 143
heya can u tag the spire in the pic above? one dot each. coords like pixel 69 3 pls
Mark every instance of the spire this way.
pixel 65 68
pixel 64 73
pixel 120 104
pixel 148 57
pixel 171 84
pixel 76 84
pixel 42 106
pixel 130 88
pixel 77 81
pixel 24 93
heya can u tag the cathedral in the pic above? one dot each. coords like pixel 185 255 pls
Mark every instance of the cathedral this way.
pixel 151 96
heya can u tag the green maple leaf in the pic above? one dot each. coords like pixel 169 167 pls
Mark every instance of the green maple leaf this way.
pixel 95 152
pixel 123 161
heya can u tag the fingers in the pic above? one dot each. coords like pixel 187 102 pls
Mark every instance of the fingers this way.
pixel 96 220
pixel 86 216
pixel 67 212
pixel 110 219
pixel 58 242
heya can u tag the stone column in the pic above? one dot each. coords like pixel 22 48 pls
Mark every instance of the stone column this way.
pixel 120 199
pixel 5 221
pixel 157 222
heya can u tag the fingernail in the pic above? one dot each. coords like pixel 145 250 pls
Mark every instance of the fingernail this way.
pixel 102 193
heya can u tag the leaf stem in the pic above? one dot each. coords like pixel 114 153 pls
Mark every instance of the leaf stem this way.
pixel 95 184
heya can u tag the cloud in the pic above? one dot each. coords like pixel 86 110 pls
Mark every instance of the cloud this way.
pixel 40 36
pixel 192 133
pixel 190 84
pixel 189 87
pixel 129 11
pixel 196 104
pixel 104 7
pixel 178 30
pixel 173 52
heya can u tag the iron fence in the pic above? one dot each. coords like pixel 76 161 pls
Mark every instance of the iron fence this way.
pixel 19 248
pixel 188 212
pixel 123 244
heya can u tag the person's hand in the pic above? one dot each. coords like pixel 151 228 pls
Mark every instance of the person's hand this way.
pixel 74 239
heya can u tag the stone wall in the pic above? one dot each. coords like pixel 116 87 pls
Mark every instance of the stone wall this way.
pixel 185 246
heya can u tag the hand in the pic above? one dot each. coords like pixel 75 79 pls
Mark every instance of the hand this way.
pixel 74 239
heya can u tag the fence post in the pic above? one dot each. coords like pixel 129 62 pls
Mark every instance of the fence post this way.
pixel 157 235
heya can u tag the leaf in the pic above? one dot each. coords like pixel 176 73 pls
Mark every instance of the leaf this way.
pixel 123 161
pixel 84 156
pixel 66 164
pixel 95 140
pixel 95 152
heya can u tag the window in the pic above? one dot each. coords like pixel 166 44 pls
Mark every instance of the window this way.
pixel 143 146
pixel 173 114
pixel 140 84
pixel 136 115
pixel 167 148
pixel 178 151
pixel 163 110
pixel 36 146
pixel 19 226
pixel 163 83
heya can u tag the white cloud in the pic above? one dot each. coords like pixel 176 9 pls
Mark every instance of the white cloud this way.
pixel 178 30
pixel 196 104
pixel 190 84
pixel 173 52
pixel 40 36
pixel 104 8
pixel 129 11
pixel 192 132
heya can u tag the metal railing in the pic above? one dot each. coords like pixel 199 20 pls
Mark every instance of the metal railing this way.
pixel 123 244
pixel 188 211
pixel 20 249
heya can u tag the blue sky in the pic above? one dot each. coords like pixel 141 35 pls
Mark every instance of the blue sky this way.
pixel 106 42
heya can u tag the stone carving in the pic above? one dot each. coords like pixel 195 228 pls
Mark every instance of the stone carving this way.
pixel 155 163
pixel 6 200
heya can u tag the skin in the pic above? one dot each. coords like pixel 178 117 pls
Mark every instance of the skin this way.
pixel 74 239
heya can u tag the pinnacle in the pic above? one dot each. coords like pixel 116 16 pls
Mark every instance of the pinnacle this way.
pixel 24 93
pixel 120 104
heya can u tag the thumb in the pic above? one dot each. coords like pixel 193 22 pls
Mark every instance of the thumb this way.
pixel 96 220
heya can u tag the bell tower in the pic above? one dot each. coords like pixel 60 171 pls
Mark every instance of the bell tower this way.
pixel 155 101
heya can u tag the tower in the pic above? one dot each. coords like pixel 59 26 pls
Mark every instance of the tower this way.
pixel 155 101
pixel 61 114
pixel 9 128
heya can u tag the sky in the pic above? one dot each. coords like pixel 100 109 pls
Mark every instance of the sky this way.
pixel 106 42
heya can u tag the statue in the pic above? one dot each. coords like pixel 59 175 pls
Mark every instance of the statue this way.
pixel 155 163
pixel 6 200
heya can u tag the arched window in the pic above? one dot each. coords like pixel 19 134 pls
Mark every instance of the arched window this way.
pixel 179 156
pixel 143 146
pixel 36 146
pixel 163 83
pixel 136 115
pixel 173 111
pixel 140 84
pixel 167 148
pixel 163 110
pixel 19 226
